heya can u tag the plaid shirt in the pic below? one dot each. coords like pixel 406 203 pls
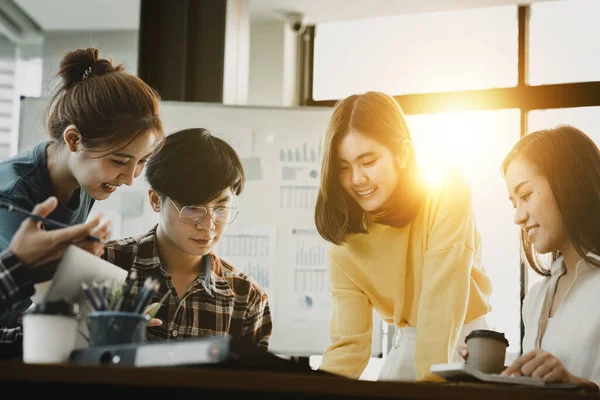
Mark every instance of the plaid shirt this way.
pixel 220 301
pixel 15 286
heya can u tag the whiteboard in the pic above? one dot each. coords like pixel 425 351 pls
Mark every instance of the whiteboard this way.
pixel 274 237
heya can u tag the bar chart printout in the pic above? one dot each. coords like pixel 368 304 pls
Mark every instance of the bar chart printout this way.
pixel 311 279
pixel 250 252
pixel 300 174
pixel 306 152
pixel 298 196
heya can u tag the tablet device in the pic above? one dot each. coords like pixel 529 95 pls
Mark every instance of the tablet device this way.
pixel 77 266
pixel 462 372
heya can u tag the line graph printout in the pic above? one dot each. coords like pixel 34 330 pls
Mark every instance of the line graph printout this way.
pixel 251 251
pixel 311 295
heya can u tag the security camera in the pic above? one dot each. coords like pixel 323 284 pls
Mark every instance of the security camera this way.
pixel 297 26
pixel 295 22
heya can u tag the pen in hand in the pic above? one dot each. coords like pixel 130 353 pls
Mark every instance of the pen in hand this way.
pixel 47 221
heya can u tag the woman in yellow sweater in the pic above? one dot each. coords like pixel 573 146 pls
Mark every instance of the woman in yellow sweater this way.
pixel 409 249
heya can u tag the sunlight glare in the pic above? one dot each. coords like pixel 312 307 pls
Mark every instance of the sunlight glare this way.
pixel 450 140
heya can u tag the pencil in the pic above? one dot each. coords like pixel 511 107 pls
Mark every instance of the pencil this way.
pixel 122 302
pixel 98 290
pixel 47 221
pixel 90 296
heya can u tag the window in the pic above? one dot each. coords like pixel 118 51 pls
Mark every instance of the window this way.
pixel 30 77
pixel 417 53
pixel 477 142
pixel 586 119
pixel 563 42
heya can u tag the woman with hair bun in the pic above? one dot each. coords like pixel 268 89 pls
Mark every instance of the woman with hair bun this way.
pixel 103 124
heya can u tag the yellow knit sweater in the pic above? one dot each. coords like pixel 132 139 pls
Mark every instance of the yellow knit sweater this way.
pixel 427 274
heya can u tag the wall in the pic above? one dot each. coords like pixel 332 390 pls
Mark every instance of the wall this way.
pixel 122 46
pixel 237 48
pixel 273 59
pixel 270 65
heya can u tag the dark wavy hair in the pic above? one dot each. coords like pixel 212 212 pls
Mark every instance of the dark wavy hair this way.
pixel 193 167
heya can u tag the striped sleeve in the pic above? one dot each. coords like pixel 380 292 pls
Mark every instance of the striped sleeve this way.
pixel 15 285
pixel 11 342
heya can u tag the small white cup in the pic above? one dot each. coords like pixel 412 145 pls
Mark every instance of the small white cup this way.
pixel 48 338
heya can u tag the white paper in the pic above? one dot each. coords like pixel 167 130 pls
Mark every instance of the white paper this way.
pixel 240 139
pixel 310 297
pixel 299 169
pixel 252 251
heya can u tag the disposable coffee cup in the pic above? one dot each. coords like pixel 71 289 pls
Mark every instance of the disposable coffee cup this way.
pixel 49 332
pixel 487 350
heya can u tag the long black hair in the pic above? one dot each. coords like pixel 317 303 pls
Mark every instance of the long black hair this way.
pixel 570 160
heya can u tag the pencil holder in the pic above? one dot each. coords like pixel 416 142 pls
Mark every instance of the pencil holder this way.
pixel 116 327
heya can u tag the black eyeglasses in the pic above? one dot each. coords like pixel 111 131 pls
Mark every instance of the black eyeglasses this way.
pixel 193 215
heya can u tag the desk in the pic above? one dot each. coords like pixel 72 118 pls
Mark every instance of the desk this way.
pixel 110 381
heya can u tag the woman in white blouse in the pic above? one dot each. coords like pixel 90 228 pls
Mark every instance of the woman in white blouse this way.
pixel 553 178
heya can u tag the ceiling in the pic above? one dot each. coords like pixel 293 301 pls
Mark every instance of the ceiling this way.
pixel 331 10
pixel 54 15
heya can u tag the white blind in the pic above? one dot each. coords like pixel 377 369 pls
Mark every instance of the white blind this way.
pixel 7 98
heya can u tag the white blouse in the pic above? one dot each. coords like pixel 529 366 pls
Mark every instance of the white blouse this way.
pixel 573 334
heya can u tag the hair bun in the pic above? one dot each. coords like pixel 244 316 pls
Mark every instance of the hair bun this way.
pixel 84 63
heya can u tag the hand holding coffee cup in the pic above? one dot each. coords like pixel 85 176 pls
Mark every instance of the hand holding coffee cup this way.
pixel 486 351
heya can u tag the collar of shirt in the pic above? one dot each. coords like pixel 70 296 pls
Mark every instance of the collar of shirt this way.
pixel 582 268
pixel 557 269
pixel 211 271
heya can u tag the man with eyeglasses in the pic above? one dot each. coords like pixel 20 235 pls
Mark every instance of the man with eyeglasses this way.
pixel 194 180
